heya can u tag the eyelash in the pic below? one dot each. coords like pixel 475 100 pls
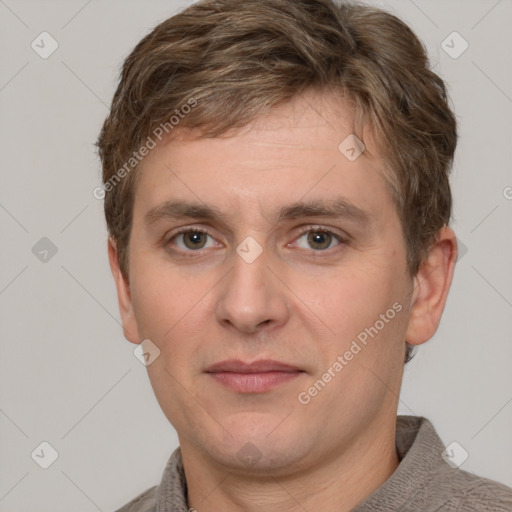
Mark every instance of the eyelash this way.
pixel 339 238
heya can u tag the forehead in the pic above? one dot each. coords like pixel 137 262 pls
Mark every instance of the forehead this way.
pixel 297 152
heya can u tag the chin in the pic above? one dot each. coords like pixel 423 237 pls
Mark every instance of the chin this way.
pixel 258 444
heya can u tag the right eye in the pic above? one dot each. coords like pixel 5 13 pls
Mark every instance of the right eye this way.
pixel 192 239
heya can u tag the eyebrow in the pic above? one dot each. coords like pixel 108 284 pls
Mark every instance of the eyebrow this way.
pixel 331 208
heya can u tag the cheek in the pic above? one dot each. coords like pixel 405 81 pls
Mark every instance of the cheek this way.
pixel 362 305
pixel 367 315
pixel 352 298
pixel 162 298
pixel 174 313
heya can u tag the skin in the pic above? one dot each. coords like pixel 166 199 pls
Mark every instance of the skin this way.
pixel 300 302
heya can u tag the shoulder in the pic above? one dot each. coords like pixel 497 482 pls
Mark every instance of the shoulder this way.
pixel 428 479
pixel 145 502
pixel 483 495
pixel 455 490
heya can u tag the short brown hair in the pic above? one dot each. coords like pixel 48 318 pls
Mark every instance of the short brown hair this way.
pixel 239 59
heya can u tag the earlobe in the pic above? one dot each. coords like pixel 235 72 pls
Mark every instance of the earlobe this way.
pixel 123 295
pixel 431 286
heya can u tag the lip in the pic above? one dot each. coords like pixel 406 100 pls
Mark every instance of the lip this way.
pixel 259 366
pixel 255 377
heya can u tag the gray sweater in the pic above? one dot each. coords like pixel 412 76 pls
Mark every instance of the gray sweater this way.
pixel 423 481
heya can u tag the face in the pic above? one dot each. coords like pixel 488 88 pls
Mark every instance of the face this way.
pixel 280 304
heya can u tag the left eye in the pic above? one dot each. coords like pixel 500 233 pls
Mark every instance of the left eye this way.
pixel 320 239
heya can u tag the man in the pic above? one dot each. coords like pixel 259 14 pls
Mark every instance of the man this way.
pixel 277 197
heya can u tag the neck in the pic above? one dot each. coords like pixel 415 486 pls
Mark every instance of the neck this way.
pixel 339 483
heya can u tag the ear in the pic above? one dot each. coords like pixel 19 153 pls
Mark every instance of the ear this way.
pixel 129 322
pixel 431 286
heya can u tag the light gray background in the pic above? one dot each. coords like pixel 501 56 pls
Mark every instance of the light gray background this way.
pixel 67 375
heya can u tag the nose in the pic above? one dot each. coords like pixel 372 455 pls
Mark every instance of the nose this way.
pixel 252 296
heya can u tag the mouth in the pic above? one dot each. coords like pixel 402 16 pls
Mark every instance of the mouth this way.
pixel 256 377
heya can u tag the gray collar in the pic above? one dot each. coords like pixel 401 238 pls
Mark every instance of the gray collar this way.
pixel 419 450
